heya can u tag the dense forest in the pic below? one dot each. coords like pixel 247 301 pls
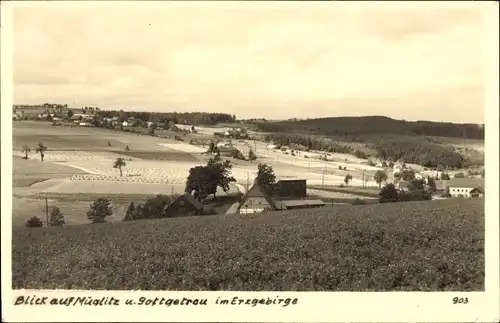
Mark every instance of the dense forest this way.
pixel 187 118
pixel 418 150
pixel 382 137
pixel 374 125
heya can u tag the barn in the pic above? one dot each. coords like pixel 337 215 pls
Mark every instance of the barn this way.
pixel 290 188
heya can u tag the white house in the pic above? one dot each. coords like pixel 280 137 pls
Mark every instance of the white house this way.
pixel 466 187
pixel 125 123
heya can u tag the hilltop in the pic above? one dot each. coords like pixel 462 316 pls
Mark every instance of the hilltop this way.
pixel 413 246
pixel 374 125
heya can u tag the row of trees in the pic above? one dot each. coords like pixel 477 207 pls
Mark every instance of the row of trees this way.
pixel 40 149
pixel 389 193
pixel 186 118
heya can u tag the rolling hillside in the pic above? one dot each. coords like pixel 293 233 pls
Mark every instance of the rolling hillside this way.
pixel 413 246
pixel 375 125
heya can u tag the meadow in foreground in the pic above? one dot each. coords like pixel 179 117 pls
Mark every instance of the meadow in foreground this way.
pixel 412 246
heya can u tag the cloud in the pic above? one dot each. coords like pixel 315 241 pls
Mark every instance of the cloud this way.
pixel 253 59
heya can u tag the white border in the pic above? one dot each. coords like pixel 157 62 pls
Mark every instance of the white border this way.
pixel 312 307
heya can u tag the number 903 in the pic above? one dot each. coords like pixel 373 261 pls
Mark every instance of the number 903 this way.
pixel 460 300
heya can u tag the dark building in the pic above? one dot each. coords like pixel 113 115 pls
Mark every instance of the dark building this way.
pixel 185 205
pixel 291 188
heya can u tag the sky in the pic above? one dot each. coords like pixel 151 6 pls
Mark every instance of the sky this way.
pixel 254 60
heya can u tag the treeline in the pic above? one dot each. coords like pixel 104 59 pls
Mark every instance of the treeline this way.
pixel 374 125
pixel 186 118
pixel 415 150
pixel 307 141
pixel 419 151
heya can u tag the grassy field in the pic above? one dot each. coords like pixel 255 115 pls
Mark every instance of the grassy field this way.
pixel 414 246
pixel 28 172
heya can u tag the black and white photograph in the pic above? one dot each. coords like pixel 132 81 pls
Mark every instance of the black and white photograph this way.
pixel 250 147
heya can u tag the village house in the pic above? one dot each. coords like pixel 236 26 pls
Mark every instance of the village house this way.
pixel 185 205
pixel 257 199
pixel 466 187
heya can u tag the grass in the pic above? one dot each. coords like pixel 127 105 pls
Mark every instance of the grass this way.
pixel 31 171
pixel 413 246
pixel 27 181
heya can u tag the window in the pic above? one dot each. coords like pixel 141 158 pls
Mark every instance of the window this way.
pixel 181 203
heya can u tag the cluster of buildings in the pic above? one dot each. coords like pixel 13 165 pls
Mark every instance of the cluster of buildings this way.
pixel 455 187
pixel 288 195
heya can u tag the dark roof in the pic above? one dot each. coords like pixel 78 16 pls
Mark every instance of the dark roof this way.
pixel 467 183
pixel 291 180
pixel 288 203
pixel 442 184
pixel 190 198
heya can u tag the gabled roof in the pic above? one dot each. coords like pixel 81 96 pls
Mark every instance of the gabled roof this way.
pixel 441 184
pixel 467 183
pixel 258 191
pixel 190 198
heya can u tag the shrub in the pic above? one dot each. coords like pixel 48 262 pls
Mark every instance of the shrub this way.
pixel 178 138
pixel 34 222
pixel 99 210
pixel 56 217
pixel 459 175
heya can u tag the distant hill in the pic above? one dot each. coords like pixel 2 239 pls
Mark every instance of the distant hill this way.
pixel 374 125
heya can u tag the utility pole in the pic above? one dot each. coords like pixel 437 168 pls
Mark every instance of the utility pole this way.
pixel 322 178
pixel 46 210
pixel 247 181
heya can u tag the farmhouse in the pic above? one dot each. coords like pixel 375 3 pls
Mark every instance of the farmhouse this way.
pixel 466 187
pixel 257 200
pixel 184 205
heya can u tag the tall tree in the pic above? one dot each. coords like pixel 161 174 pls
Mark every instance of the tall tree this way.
pixel 347 179
pixel 201 181
pixel 119 163
pixel 41 149
pixel 266 177
pixel 251 155
pixel 26 149
pixel 99 210
pixel 379 177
